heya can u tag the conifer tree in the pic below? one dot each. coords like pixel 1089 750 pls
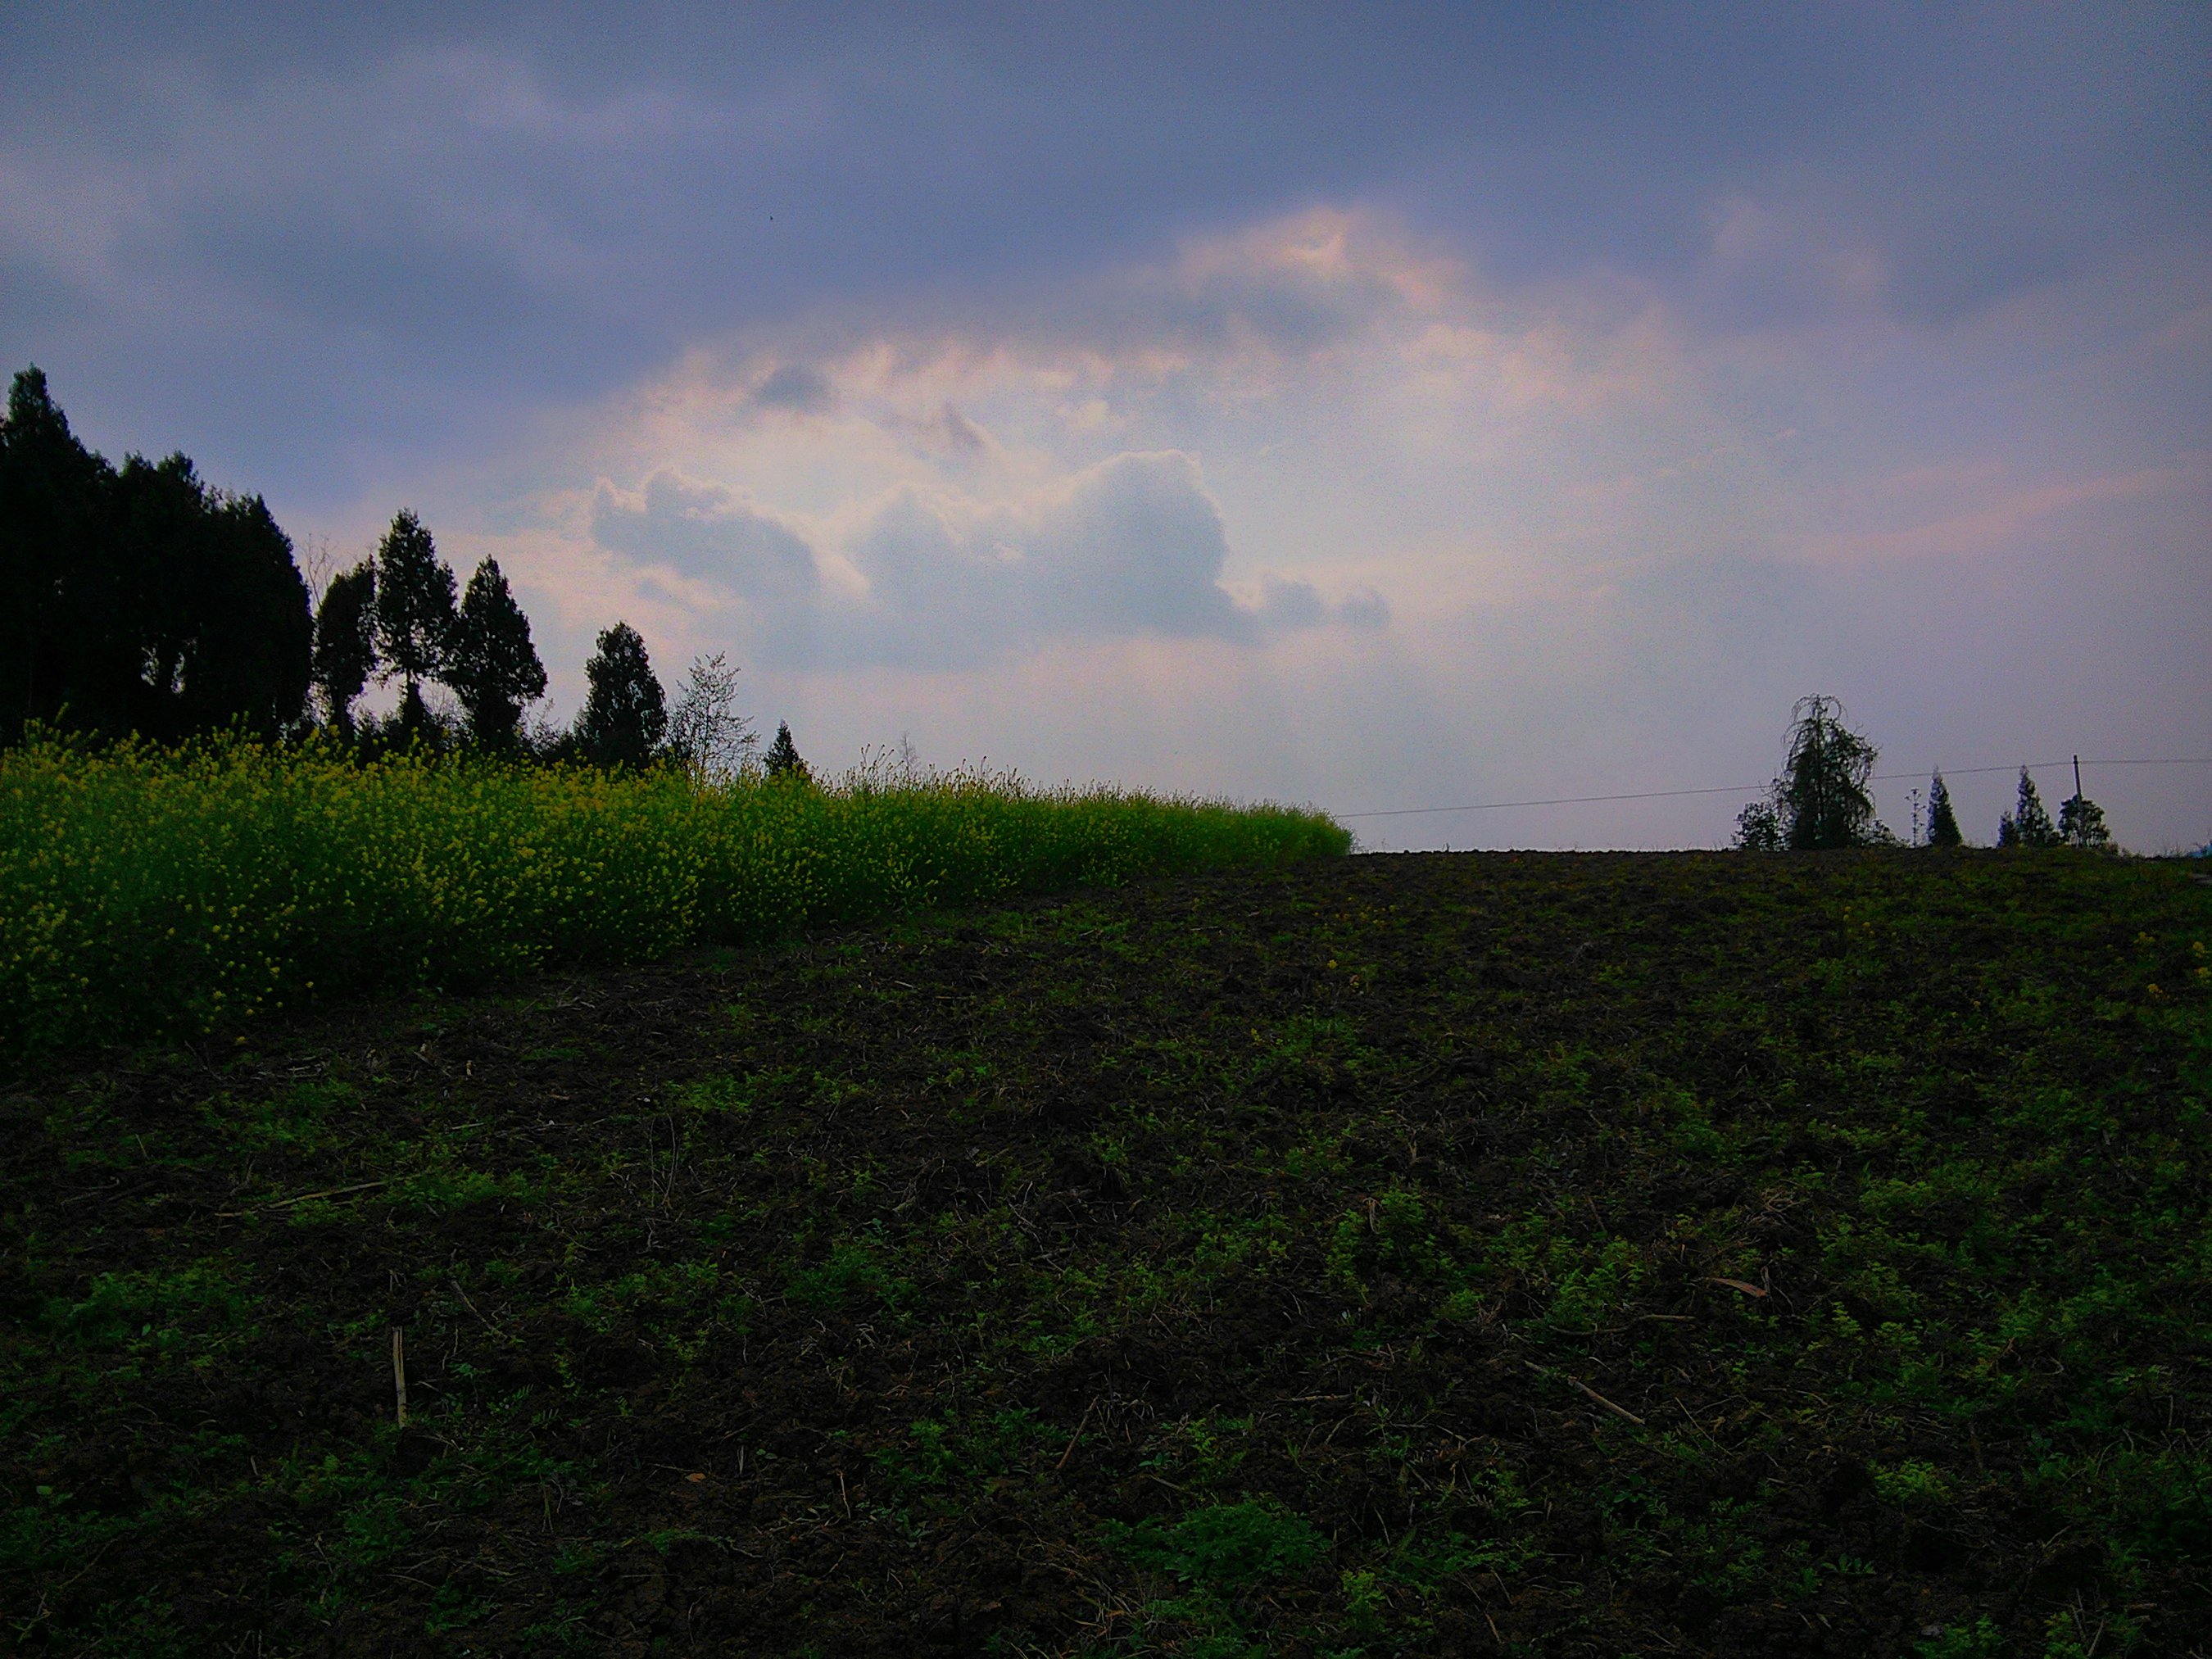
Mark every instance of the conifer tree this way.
pixel 625 713
pixel 57 595
pixel 1942 821
pixel 783 762
pixel 492 665
pixel 414 613
pixel 345 643
pixel 2028 824
pixel 139 599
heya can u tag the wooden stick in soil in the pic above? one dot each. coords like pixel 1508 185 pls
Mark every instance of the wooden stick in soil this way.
pixel 1618 1411
pixel 1077 1435
pixel 400 1374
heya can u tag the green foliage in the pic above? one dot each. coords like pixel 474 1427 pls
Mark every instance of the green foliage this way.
pixel 1820 800
pixel 1758 829
pixel 345 643
pixel 1913 1483
pixel 1223 1547
pixel 492 666
pixel 415 616
pixel 625 713
pixel 146 891
pixel 138 598
pixel 1979 1640
pixel 938 1456
pixel 853 1275
pixel 2081 823
pixel 1942 818
pixel 783 761
pixel 2028 825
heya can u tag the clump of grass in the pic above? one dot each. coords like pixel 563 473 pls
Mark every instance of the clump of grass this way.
pixel 145 891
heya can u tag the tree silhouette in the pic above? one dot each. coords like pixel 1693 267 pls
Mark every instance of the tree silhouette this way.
pixel 414 613
pixel 491 665
pixel 58 647
pixel 211 602
pixel 345 643
pixel 139 600
pixel 2081 823
pixel 625 713
pixel 1821 796
pixel 2027 824
pixel 783 763
pixel 1942 821
pixel 1758 829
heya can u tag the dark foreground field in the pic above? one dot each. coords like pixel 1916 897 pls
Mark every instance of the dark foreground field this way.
pixel 1418 1255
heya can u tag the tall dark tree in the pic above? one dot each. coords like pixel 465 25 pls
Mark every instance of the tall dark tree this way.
pixel 1942 820
pixel 492 666
pixel 221 624
pixel 625 713
pixel 345 643
pixel 60 644
pixel 2028 824
pixel 782 762
pixel 140 600
pixel 414 613
pixel 1821 796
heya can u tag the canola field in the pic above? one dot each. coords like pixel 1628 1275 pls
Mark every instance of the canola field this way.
pixel 148 892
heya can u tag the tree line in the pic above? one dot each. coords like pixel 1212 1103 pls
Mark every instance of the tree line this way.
pixel 140 599
pixel 1821 800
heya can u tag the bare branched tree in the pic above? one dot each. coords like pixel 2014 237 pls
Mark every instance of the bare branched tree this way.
pixel 706 732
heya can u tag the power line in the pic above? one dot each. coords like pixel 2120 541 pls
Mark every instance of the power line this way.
pixel 1738 789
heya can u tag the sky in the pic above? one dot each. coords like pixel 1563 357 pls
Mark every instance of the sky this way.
pixel 1374 407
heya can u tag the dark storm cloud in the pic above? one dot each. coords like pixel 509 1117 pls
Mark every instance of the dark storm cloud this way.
pixel 1132 547
pixel 373 233
pixel 795 387
pixel 705 530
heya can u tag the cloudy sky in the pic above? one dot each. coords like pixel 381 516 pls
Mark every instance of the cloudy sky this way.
pixel 1382 407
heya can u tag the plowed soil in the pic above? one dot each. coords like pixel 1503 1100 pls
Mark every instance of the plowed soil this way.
pixel 1544 1254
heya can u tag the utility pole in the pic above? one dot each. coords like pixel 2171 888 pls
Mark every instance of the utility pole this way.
pixel 1916 816
pixel 2077 777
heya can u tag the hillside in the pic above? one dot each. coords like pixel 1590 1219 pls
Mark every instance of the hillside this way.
pixel 1551 1254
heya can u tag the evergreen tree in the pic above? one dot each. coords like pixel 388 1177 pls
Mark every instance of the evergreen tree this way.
pixel 139 600
pixel 783 762
pixel 414 613
pixel 2027 824
pixel 2081 823
pixel 57 648
pixel 492 666
pixel 345 643
pixel 1942 821
pixel 224 629
pixel 625 713
pixel 1821 796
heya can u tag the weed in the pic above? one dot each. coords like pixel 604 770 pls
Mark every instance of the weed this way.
pixel 1222 1547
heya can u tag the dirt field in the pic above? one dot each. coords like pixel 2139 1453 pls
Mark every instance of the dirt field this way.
pixel 1545 1255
